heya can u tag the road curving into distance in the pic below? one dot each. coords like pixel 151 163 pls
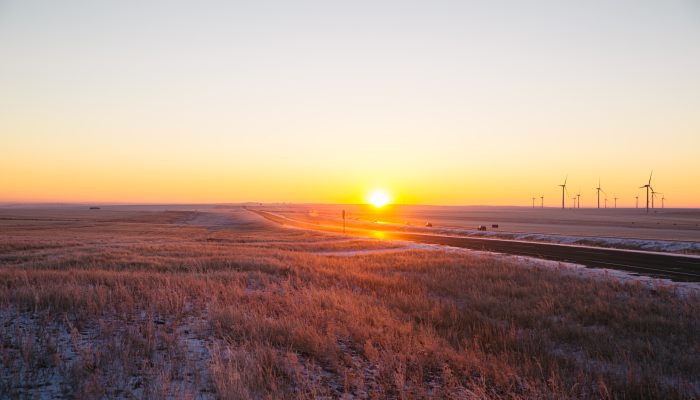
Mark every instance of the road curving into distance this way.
pixel 677 267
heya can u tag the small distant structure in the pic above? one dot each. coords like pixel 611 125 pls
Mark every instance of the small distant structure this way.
pixel 563 189
pixel 428 225
pixel 481 228
pixel 647 187
pixel 494 225
pixel 600 189
pixel 94 208
pixel 578 199
pixel 653 195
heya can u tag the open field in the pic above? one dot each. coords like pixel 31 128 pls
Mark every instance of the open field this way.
pixel 668 230
pixel 129 302
pixel 662 265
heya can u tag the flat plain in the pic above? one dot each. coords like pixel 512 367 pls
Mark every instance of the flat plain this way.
pixel 218 302
pixel 675 230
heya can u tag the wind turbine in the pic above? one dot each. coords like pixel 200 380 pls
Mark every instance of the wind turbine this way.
pixel 563 189
pixel 542 203
pixel 648 186
pixel 606 202
pixel 574 199
pixel 533 202
pixel 615 202
pixel 654 194
pixel 636 198
pixel 578 196
pixel 662 201
pixel 599 189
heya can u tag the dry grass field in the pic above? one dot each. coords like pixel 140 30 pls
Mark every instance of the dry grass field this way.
pixel 224 304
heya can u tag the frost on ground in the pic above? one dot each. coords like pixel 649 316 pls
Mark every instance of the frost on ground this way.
pixel 572 269
pixel 614 274
pixel 49 356
pixel 191 306
pixel 668 246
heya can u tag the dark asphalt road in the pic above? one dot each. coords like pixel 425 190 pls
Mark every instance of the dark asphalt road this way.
pixel 671 266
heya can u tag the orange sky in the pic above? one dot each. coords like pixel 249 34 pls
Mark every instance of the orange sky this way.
pixel 443 103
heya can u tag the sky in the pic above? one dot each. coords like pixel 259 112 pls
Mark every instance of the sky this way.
pixel 436 102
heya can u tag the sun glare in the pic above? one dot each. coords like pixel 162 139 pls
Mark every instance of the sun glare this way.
pixel 378 198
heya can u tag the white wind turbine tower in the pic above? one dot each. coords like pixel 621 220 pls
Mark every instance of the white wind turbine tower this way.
pixel 563 189
pixel 578 198
pixel 654 194
pixel 648 186
pixel 600 189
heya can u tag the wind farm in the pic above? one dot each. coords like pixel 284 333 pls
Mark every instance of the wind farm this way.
pixel 651 195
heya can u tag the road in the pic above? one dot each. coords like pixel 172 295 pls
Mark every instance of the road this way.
pixel 685 268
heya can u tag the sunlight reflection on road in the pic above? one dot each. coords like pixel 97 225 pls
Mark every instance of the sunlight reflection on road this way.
pixel 379 234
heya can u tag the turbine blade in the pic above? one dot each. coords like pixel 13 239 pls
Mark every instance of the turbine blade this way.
pixel 652 173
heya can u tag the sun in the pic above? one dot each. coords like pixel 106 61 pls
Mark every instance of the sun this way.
pixel 378 198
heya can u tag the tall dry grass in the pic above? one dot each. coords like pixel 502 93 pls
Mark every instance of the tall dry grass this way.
pixel 159 306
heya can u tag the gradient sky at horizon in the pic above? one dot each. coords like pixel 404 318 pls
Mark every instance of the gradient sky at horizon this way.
pixel 441 102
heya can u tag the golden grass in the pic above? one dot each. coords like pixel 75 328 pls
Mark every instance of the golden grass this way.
pixel 155 307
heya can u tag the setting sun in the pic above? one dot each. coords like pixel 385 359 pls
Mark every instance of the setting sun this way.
pixel 378 198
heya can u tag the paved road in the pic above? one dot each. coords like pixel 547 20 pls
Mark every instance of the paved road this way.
pixel 672 266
